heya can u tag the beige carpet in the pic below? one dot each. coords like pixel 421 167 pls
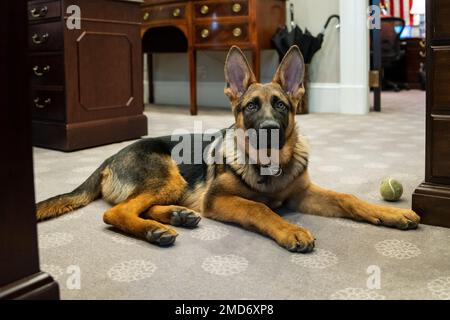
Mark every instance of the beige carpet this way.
pixel 219 261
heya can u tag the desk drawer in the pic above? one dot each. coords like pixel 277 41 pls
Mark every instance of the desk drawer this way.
pixel 44 10
pixel 45 37
pixel 221 34
pixel 220 8
pixel 171 12
pixel 48 105
pixel 47 70
pixel 439 75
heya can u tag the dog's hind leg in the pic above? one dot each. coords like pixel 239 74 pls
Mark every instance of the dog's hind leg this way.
pixel 174 215
pixel 155 192
pixel 125 216
pixel 318 201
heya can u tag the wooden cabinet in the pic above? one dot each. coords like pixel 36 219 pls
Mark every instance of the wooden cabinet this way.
pixel 432 198
pixel 440 99
pixel 441 25
pixel 210 25
pixel 41 10
pixel 220 9
pixel 164 13
pixel 86 83
pixel 206 36
pixel 20 275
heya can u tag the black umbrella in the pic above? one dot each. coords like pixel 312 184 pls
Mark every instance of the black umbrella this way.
pixel 284 39
pixel 307 43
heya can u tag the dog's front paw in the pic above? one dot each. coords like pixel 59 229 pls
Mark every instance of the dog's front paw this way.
pixel 296 239
pixel 162 236
pixel 403 219
pixel 185 218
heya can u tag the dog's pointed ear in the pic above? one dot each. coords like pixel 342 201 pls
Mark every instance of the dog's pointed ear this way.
pixel 238 73
pixel 290 74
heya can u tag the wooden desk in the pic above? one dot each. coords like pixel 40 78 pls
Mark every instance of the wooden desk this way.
pixel 86 84
pixel 180 26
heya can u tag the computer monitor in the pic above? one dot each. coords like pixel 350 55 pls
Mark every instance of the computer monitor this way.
pixel 407 32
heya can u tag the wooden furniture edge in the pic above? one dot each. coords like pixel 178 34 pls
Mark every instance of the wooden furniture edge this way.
pixel 38 286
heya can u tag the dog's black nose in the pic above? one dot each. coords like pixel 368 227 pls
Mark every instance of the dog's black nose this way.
pixel 269 125
pixel 270 135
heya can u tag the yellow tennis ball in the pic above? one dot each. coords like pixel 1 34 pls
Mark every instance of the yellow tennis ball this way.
pixel 391 189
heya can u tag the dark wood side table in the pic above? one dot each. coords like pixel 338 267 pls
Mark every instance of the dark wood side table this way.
pixel 86 83
pixel 414 58
pixel 432 198
pixel 20 275
pixel 210 25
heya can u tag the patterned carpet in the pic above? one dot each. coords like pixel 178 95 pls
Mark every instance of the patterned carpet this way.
pixel 219 261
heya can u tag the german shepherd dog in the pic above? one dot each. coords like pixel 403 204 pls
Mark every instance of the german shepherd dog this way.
pixel 150 191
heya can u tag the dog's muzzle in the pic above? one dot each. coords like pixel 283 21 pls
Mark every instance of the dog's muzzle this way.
pixel 270 135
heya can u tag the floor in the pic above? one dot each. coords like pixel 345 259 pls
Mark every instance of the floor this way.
pixel 218 261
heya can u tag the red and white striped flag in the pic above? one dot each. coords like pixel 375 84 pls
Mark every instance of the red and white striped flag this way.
pixel 399 8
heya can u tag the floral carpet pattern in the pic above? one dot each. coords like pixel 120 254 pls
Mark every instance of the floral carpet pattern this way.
pixel 352 260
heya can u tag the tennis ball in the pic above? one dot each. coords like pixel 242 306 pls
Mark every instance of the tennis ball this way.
pixel 391 189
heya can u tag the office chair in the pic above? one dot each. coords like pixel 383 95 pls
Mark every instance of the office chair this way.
pixel 392 53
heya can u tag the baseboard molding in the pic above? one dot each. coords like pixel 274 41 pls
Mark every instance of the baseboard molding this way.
pixel 354 99
pixel 323 97
pixel 432 203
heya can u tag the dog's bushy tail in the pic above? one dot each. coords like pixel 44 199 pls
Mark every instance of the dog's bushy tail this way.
pixel 87 192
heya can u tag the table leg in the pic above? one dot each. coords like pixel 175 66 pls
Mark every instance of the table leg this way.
pixel 193 80
pixel 256 60
pixel 151 88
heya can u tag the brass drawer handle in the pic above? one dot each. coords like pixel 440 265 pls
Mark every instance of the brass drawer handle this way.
pixel 146 16
pixel 39 13
pixel 423 54
pixel 176 12
pixel 47 102
pixel 39 39
pixel 45 70
pixel 236 8
pixel 237 32
pixel 205 33
pixel 204 9
pixel 422 44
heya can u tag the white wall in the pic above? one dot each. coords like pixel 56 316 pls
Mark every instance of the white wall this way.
pixel 171 70
pixel 171 75
pixel 313 14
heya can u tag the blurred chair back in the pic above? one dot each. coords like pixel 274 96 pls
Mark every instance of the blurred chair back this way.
pixel 391 29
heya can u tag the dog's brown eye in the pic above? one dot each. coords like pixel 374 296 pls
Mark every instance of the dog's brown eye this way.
pixel 280 106
pixel 252 107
